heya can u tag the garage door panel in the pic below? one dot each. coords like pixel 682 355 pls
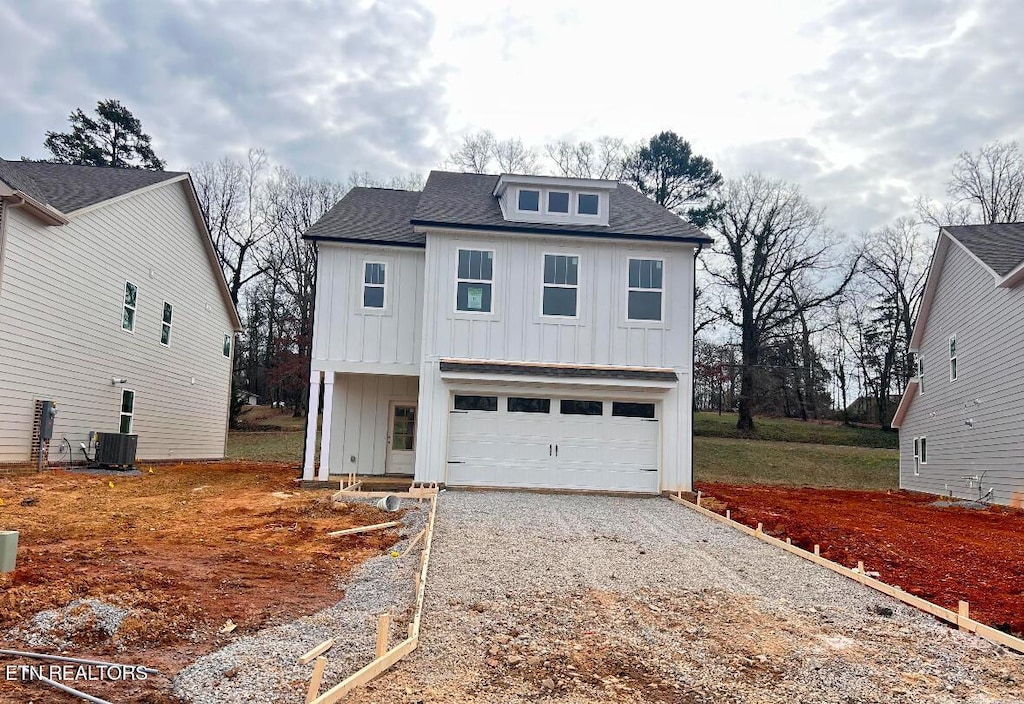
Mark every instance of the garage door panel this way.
pixel 497 448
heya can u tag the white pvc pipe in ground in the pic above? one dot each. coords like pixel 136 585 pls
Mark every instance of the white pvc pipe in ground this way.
pixel 389 503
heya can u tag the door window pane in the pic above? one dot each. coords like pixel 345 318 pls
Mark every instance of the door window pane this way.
pixel 633 410
pixel 476 403
pixel 581 408
pixel 529 405
pixel 403 433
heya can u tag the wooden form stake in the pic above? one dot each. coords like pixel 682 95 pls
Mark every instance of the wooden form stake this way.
pixel 383 632
pixel 318 650
pixel 363 529
pixel 963 614
pixel 953 617
pixel 698 497
pixel 413 543
pixel 728 514
pixel 817 549
pixel 314 682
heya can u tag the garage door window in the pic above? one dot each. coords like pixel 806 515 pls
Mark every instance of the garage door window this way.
pixel 476 403
pixel 581 408
pixel 633 410
pixel 529 405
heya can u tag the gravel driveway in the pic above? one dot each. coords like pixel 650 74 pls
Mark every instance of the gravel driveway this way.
pixel 535 597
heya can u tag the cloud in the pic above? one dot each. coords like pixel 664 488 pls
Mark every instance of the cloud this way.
pixel 327 87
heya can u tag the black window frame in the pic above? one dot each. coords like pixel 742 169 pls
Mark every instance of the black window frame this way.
pixel 631 409
pixel 586 407
pixel 542 405
pixel 476 404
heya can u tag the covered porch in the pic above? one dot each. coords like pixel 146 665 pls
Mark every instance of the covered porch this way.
pixel 368 427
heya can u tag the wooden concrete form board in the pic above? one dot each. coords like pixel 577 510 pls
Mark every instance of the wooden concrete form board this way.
pixel 957 618
pixel 382 662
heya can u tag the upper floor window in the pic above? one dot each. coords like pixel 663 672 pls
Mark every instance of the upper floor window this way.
pixel 645 292
pixel 952 358
pixel 920 373
pixel 529 200
pixel 561 284
pixel 131 293
pixel 373 285
pixel 227 345
pixel 558 202
pixel 165 325
pixel 473 284
pixel 587 203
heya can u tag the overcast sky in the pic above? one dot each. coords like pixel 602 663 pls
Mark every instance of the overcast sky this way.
pixel 865 103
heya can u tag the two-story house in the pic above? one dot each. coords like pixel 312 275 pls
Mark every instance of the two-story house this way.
pixel 961 416
pixel 505 331
pixel 113 307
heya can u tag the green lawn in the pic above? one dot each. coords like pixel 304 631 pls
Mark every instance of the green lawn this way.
pixel 736 461
pixel 790 430
pixel 274 446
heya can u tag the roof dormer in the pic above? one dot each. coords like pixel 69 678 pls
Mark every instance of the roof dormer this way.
pixel 554 200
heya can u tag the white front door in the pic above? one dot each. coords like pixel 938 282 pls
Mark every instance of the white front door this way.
pixel 401 438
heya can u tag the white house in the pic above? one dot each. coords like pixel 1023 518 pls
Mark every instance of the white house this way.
pixel 505 331
pixel 112 306
pixel 960 416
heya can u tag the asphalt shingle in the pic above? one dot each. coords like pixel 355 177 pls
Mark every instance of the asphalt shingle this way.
pixel 458 200
pixel 999 246
pixel 69 187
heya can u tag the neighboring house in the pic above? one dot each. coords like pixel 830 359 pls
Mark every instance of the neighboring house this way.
pixel 512 331
pixel 113 306
pixel 961 418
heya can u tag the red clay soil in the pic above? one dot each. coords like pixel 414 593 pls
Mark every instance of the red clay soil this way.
pixel 184 549
pixel 941 554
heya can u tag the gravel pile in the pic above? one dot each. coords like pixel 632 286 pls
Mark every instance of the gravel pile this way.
pixel 80 621
pixel 536 597
pixel 262 667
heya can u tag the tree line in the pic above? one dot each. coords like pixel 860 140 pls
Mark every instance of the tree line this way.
pixel 793 317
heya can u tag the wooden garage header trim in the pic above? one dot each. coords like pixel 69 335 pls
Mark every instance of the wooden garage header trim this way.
pixel 576 371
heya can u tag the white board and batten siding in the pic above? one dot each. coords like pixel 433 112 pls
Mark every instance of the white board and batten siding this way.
pixel 516 331
pixel 361 421
pixel 973 425
pixel 61 339
pixel 350 338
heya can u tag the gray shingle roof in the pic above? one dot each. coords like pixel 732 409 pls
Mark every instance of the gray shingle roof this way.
pixel 68 187
pixel 999 246
pixel 379 215
pixel 458 200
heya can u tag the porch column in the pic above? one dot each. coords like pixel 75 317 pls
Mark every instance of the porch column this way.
pixel 312 418
pixel 325 429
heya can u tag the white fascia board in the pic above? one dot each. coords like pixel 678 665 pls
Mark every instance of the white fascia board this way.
pixel 908 396
pixel 548 381
pixel 553 181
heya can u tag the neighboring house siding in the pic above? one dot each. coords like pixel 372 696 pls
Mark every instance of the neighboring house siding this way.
pixel 348 338
pixel 989 326
pixel 361 423
pixel 61 336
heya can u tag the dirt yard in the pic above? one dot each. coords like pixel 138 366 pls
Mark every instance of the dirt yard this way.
pixel 941 554
pixel 147 570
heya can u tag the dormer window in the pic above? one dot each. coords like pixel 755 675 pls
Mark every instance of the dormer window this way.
pixel 587 203
pixel 529 201
pixel 558 202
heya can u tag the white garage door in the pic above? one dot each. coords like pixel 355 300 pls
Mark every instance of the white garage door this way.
pixel 558 443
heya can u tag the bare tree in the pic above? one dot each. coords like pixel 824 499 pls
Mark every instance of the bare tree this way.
pixel 602 158
pixel 233 198
pixel 475 154
pixel 515 158
pixel 986 187
pixel 412 181
pixel 771 239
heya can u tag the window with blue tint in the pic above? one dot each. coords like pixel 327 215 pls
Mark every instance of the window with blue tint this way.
pixel 561 284
pixel 645 291
pixel 529 200
pixel 587 204
pixel 474 280
pixel 558 202
pixel 373 284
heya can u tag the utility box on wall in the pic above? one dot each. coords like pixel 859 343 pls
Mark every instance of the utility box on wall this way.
pixel 42 432
pixel 8 550
pixel 48 413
